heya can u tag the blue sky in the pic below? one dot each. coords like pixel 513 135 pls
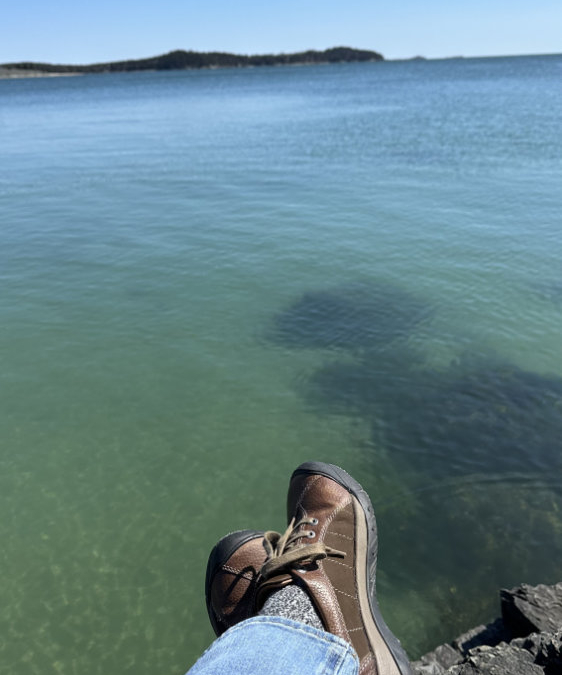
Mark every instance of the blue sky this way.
pixel 74 31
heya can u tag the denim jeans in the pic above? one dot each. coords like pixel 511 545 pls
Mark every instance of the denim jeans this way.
pixel 273 645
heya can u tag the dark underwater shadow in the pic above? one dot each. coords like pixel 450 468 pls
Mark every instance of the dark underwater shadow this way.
pixel 480 414
pixel 353 316
pixel 445 554
pixel 476 450
pixel 472 452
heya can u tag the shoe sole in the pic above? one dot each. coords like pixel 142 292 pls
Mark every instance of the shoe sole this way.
pixel 220 554
pixel 367 540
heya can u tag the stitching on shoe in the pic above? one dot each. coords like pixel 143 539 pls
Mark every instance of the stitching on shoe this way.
pixel 325 587
pixel 341 507
pixel 239 573
pixel 366 662
pixel 353 597
pixel 305 489
pixel 349 567
pixel 354 630
pixel 337 534
pixel 327 583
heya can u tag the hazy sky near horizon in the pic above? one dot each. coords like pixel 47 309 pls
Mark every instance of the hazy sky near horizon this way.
pixel 67 31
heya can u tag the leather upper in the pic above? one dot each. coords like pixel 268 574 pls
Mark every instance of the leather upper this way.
pixel 234 585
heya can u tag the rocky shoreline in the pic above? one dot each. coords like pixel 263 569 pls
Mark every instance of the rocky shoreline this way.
pixel 525 640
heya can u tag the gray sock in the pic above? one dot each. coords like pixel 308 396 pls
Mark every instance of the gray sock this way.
pixel 292 603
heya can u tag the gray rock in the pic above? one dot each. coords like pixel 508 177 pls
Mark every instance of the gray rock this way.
pixel 419 668
pixel 491 634
pixel 438 661
pixel 546 649
pixel 532 609
pixel 527 641
pixel 447 656
pixel 503 659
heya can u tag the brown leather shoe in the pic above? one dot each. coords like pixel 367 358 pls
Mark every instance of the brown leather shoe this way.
pixel 231 580
pixel 330 551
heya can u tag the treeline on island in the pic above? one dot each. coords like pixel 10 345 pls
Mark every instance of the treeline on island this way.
pixel 182 60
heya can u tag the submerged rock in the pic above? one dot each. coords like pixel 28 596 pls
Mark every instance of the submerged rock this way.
pixel 475 449
pixel 496 417
pixel 479 415
pixel 353 316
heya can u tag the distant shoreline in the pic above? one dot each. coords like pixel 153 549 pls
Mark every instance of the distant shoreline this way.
pixel 15 74
pixel 165 62
pixel 182 60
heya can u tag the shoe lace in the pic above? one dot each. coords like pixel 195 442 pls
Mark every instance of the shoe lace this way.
pixel 284 551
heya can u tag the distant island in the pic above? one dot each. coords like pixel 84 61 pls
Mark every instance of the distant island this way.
pixel 182 60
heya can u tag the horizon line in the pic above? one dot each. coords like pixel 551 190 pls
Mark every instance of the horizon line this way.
pixel 284 53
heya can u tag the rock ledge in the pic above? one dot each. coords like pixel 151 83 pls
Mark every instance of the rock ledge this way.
pixel 526 640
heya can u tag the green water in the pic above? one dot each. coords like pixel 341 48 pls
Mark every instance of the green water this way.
pixel 208 278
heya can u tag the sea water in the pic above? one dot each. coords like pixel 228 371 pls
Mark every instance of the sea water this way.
pixel 210 277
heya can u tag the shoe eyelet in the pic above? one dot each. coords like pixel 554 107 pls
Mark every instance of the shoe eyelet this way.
pixel 310 534
pixel 314 521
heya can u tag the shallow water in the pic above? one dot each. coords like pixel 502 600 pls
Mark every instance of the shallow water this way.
pixel 209 277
